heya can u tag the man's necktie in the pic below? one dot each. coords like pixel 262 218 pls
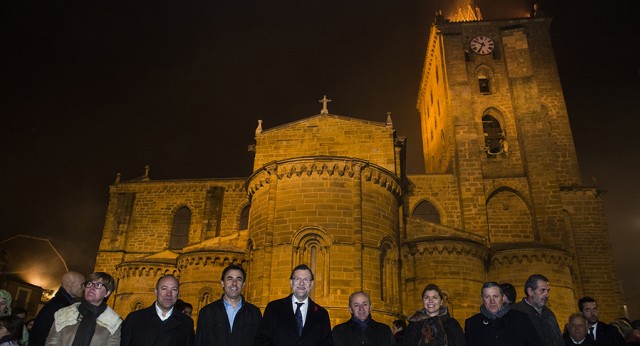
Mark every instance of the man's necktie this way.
pixel 299 317
pixel 591 333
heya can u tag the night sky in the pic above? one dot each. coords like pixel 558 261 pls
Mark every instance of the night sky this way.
pixel 93 88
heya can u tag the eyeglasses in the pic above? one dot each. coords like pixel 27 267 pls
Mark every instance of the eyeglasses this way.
pixel 98 285
pixel 303 280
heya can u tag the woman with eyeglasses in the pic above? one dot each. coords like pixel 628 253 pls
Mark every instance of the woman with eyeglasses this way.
pixel 90 322
pixel 432 326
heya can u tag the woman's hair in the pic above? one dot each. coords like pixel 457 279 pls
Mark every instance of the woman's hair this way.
pixel 13 325
pixel 433 287
pixel 107 280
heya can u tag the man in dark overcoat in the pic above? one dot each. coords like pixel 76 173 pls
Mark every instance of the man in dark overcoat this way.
pixel 160 324
pixel 295 320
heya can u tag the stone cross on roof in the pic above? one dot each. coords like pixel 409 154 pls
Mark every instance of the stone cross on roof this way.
pixel 324 102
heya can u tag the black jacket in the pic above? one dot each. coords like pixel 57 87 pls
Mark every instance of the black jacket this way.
pixel 145 328
pixel 350 334
pixel 278 326
pixel 608 335
pixel 450 327
pixel 587 342
pixel 545 323
pixel 513 329
pixel 44 320
pixel 214 328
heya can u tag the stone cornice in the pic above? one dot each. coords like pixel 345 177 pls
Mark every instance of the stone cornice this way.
pixel 448 245
pixel 534 254
pixel 146 269
pixel 324 165
pixel 203 258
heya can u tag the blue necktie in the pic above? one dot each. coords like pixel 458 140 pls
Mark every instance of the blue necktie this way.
pixel 299 318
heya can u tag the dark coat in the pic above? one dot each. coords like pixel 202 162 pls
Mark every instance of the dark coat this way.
pixel 44 320
pixel 279 328
pixel 513 329
pixel 451 328
pixel 608 335
pixel 214 328
pixel 350 334
pixel 144 327
pixel 545 323
pixel 587 342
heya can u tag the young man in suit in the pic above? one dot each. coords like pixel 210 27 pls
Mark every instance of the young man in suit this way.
pixel 601 332
pixel 295 319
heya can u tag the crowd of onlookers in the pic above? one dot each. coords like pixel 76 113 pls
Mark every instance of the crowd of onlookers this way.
pixel 79 316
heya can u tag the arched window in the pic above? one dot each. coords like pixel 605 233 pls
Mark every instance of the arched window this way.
pixel 311 246
pixel 427 212
pixel 494 135
pixel 244 217
pixel 180 229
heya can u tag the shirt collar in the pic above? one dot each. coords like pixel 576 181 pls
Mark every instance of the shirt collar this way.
pixel 159 312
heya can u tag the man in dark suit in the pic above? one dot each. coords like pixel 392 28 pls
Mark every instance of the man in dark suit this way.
pixel 604 334
pixel 230 320
pixel 295 319
pixel 576 333
pixel 361 329
pixel 67 293
pixel 160 324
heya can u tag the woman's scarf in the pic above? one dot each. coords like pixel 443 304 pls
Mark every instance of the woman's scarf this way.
pixel 499 314
pixel 87 325
pixel 432 331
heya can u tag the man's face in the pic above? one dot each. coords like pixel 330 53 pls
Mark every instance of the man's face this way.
pixel 233 284
pixel 590 312
pixel 492 299
pixel 360 306
pixel 75 286
pixel 301 284
pixel 578 328
pixel 167 293
pixel 187 311
pixel 540 296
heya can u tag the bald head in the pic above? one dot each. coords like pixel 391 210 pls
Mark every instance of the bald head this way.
pixel 72 283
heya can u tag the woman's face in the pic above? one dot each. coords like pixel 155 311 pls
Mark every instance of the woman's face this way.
pixel 94 294
pixel 432 302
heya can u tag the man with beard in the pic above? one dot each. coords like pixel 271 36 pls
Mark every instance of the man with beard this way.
pixel 603 333
pixel 497 324
pixel 296 319
pixel 536 289
pixel 361 329
pixel 159 324
pixel 230 320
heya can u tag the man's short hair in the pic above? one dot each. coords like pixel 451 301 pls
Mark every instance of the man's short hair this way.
pixel 532 282
pixel 359 292
pixel 490 284
pixel 233 267
pixel 301 267
pixel 585 300
pixel 167 276
pixel 509 291
pixel 400 324
pixel 107 280
pixel 577 315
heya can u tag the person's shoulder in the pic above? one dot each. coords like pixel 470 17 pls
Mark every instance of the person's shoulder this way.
pixel 473 319
pixel 248 306
pixel 341 327
pixel 216 304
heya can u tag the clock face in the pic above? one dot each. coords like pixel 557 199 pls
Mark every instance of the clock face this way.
pixel 482 45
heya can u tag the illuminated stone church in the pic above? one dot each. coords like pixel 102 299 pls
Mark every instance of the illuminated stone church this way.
pixel 500 199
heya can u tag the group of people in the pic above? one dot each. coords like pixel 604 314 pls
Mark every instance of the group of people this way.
pixel 298 320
